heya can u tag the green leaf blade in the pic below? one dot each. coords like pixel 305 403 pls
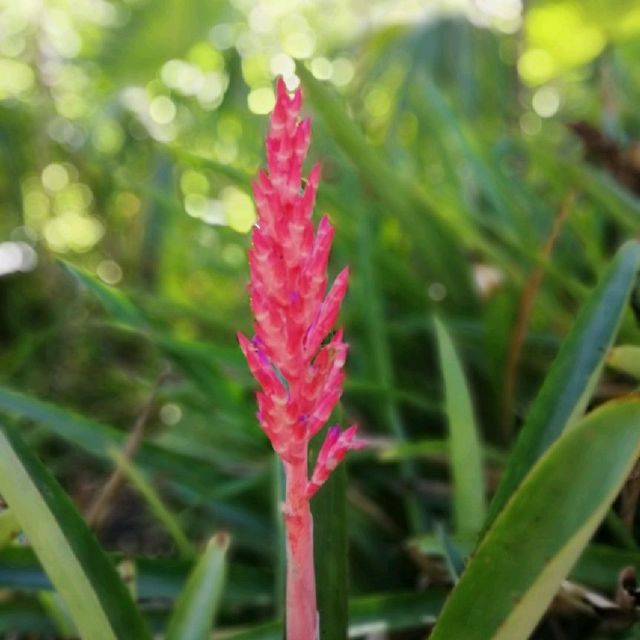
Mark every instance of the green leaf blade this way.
pixel 329 508
pixel 83 575
pixel 543 529
pixel 114 302
pixel 469 501
pixel 574 373
pixel 198 603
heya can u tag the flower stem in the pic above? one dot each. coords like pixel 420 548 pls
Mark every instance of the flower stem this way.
pixel 302 614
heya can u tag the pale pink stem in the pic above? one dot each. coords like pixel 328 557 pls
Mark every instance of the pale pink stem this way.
pixel 302 614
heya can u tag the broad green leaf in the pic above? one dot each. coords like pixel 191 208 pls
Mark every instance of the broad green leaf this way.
pixel 536 539
pixel 469 503
pixel 598 567
pixel 78 568
pixel 625 359
pixel 197 605
pixel 575 371
pixel 156 505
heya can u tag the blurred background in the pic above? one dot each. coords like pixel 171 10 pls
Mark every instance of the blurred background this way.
pixel 480 158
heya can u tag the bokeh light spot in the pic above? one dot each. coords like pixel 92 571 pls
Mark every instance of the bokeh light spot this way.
pixel 73 231
pixel 300 45
pixel 170 414
pixel 107 137
pixel 194 182
pixel 239 209
pixel 109 272
pixel 342 72
pixel 546 101
pixel 162 110
pixel 282 65
pixel 195 205
pixel 223 36
pixel 261 100
pixel 321 68
pixel 16 78
pixel 16 256
pixel 55 177
pixel 530 123
pixel 536 66
pixel 36 207
pixel 233 254
pixel 128 204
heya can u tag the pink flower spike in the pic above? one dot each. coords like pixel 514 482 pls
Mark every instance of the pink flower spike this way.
pixel 327 313
pixel 331 454
pixel 301 378
pixel 261 368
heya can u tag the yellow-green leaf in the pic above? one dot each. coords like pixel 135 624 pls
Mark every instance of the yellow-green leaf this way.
pixel 544 527
pixel 81 572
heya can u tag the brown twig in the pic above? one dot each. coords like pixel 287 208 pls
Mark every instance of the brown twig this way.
pixel 525 307
pixel 98 511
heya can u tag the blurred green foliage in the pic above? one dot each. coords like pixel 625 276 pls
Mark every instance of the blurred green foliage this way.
pixel 130 131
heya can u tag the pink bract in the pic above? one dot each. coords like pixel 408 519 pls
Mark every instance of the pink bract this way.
pixel 299 368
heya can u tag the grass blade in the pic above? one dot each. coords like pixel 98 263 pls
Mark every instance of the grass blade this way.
pixel 469 502
pixel 116 304
pixel 574 373
pixel 198 603
pixel 83 575
pixel 535 541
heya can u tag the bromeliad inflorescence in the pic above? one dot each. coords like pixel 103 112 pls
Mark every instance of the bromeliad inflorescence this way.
pixel 298 367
